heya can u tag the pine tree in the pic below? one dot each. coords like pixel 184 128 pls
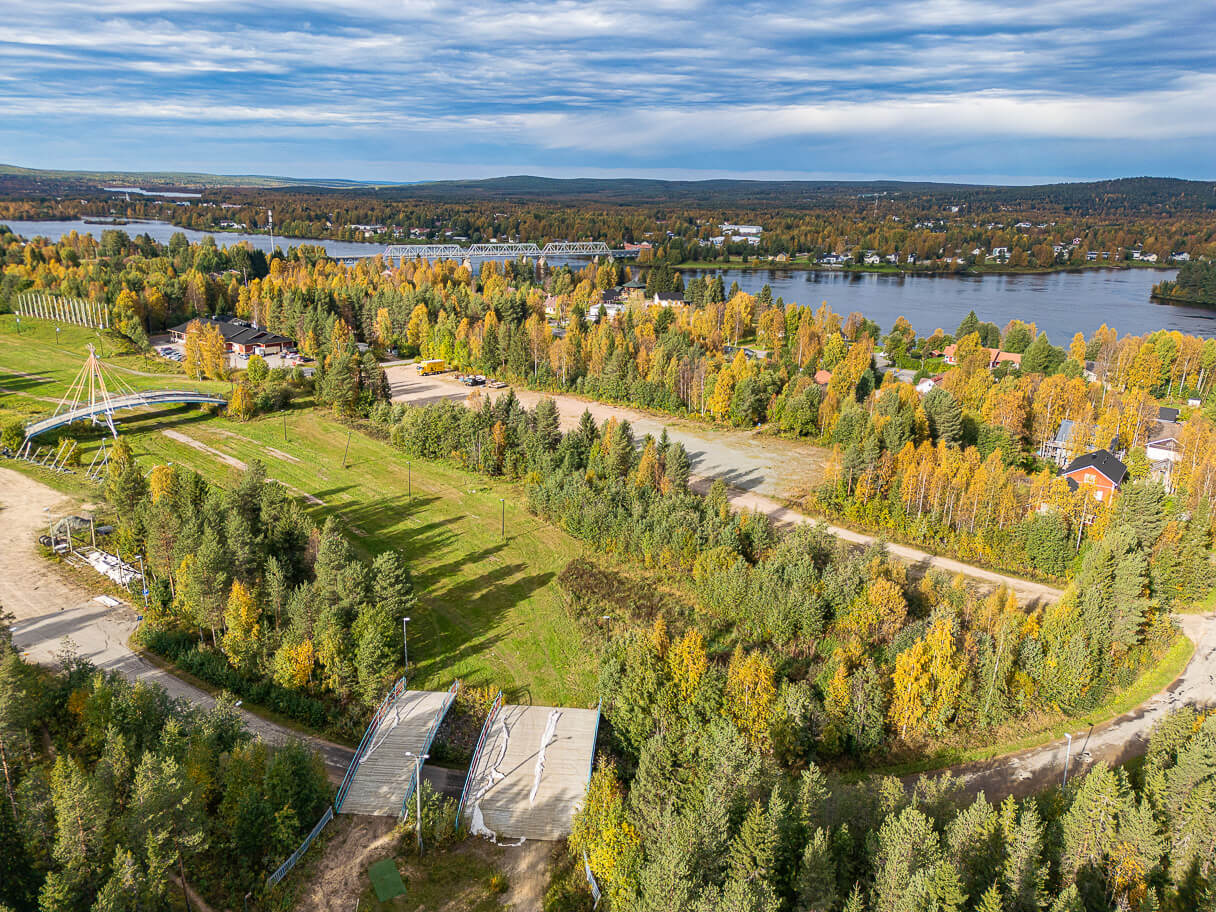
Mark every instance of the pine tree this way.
pixel 678 469
pixel 817 876
pixel 752 853
pixel 166 821
pixel 548 434
pixel 970 324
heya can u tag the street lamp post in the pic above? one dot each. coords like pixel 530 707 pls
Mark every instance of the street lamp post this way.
pixel 1067 758
pixel 418 758
pixel 405 646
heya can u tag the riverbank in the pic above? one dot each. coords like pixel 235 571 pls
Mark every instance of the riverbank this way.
pixel 914 269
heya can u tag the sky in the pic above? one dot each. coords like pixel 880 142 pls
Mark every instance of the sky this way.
pixel 996 92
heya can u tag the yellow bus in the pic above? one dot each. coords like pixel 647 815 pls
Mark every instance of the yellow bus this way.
pixel 434 366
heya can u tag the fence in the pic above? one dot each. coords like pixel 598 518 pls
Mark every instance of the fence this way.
pixel 298 853
pixel 426 747
pixel 495 707
pixel 76 311
pixel 372 726
pixel 599 708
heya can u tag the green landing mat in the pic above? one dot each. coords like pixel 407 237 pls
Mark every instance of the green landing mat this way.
pixel 386 880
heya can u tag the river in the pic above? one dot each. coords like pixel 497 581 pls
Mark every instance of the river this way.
pixel 1059 303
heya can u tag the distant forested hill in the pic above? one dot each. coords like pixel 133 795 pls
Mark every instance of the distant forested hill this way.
pixel 1124 196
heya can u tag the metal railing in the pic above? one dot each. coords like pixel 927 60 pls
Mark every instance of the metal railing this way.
pixel 426 746
pixel 298 853
pixel 388 700
pixel 495 708
pixel 594 738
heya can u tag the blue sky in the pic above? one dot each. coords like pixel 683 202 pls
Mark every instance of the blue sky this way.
pixel 942 89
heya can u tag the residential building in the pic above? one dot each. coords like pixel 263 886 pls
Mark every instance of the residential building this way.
pixel 240 336
pixel 1056 449
pixel 995 357
pixel 1100 470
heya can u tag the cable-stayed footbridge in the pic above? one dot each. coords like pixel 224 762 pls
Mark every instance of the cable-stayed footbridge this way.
pixel 94 397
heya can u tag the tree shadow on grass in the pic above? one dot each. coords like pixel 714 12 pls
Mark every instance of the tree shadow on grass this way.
pixel 465 612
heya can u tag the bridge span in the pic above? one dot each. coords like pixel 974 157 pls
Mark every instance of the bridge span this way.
pixel 496 251
pixel 107 407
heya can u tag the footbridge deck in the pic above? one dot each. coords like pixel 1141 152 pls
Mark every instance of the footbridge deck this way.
pixel 112 404
pixel 381 776
pixel 530 772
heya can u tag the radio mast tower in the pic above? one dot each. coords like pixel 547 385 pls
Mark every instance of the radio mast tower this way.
pixel 270 223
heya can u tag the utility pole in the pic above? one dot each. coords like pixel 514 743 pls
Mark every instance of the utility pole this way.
pixel 1067 758
pixel 347 450
pixel 284 427
pixel 409 480
pixel 504 516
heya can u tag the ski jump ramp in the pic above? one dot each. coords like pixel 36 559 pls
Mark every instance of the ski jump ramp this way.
pixel 381 776
pixel 530 772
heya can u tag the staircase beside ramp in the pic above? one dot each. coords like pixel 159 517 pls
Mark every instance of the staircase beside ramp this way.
pixel 530 772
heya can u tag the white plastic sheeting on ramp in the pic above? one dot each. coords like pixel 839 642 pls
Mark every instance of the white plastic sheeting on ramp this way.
pixel 531 773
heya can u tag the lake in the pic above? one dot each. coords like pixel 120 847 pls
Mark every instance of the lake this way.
pixel 1059 303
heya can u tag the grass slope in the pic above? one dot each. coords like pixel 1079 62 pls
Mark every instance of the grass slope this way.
pixel 35 364
pixel 490 610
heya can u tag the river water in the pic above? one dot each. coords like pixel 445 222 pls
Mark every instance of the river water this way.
pixel 1059 303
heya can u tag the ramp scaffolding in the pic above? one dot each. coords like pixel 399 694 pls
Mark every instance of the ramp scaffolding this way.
pixel 382 774
pixel 530 772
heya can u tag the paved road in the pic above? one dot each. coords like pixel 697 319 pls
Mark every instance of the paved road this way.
pixel 100 635
pixel 762 472
pixel 1115 741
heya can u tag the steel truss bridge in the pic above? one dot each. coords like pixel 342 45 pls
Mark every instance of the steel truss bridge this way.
pixel 502 251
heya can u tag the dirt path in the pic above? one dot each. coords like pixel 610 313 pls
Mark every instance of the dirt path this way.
pixel 340 874
pixel 53 609
pixel 761 471
pixel 238 464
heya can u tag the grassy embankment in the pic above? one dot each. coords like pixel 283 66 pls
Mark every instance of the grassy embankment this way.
pixel 492 611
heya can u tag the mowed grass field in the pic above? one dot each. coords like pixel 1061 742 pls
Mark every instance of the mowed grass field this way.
pixel 34 363
pixel 490 610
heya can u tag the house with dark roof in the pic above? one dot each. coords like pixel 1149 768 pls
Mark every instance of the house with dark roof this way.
pixel 1165 413
pixel 240 336
pixel 1100 470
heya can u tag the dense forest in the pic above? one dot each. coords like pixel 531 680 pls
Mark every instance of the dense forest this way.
pixel 252 597
pixel 698 817
pixel 843 653
pixel 118 799
pixel 1196 283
